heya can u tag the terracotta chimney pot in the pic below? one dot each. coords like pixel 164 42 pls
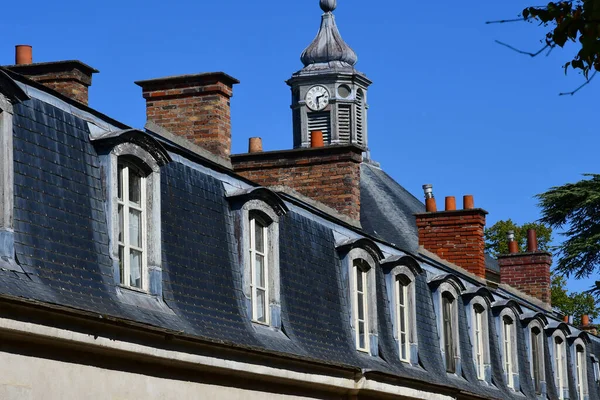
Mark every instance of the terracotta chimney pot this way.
pixel 566 319
pixel 23 54
pixel 468 202
pixel 450 203
pixel 430 205
pixel 255 145
pixel 532 243
pixel 513 246
pixel 585 320
pixel 316 139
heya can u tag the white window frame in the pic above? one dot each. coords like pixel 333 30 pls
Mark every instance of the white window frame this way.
pixel 403 272
pixel 596 368
pixel 269 215
pixel 361 272
pixel 132 154
pixel 478 321
pixel 451 290
pixel 254 286
pixel 559 363
pixel 6 181
pixel 359 254
pixel 580 368
pixel 507 338
pixel 403 311
pixel 123 168
pixel 540 360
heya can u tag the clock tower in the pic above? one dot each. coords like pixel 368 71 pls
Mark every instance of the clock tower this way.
pixel 329 94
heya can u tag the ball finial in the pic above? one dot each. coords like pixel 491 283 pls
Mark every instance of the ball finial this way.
pixel 328 5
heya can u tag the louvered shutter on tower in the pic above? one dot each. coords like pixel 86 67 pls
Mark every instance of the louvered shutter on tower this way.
pixel 320 121
pixel 345 123
pixel 360 113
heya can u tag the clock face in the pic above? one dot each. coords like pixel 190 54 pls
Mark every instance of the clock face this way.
pixel 317 98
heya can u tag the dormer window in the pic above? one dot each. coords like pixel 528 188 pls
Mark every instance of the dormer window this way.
pixel 359 259
pixel 480 340
pixel 537 358
pixel 580 371
pixel 401 273
pixel 257 212
pixel 559 363
pixel 259 272
pixel 509 341
pixel 449 333
pixel 360 304
pixel 132 160
pixel 132 214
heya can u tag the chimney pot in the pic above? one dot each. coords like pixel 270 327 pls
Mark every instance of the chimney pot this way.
pixel 23 54
pixel 430 205
pixel 468 202
pixel 316 139
pixel 513 246
pixel 585 320
pixel 566 319
pixel 532 243
pixel 450 203
pixel 255 145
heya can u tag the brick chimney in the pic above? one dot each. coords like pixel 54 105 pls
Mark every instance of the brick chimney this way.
pixel 330 174
pixel 454 235
pixel 528 272
pixel 196 107
pixel 70 78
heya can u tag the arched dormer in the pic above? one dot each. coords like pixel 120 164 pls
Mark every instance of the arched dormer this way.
pixel 257 212
pixel 507 317
pixel 447 291
pixel 533 325
pixel 360 258
pixel 478 302
pixel 557 333
pixel 132 160
pixel 400 274
pixel 579 344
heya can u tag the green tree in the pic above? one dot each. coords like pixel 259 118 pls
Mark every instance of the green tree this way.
pixel 575 304
pixel 576 207
pixel 568 303
pixel 496 236
pixel 572 21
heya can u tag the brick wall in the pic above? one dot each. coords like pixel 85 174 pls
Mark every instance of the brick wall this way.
pixel 527 272
pixel 196 107
pixel 330 175
pixel 69 78
pixel 455 236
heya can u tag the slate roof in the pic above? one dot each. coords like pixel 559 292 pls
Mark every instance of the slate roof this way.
pixel 62 245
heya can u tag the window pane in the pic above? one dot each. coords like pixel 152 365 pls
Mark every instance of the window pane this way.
pixel 259 271
pixel 135 228
pixel 259 237
pixel 135 267
pixel 359 280
pixel 260 306
pixel 403 346
pixel 361 306
pixel 361 335
pixel 121 223
pixel 400 293
pixel 120 182
pixel 122 263
pixel 402 319
pixel 135 187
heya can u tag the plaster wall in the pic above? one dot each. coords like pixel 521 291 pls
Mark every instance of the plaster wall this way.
pixel 29 378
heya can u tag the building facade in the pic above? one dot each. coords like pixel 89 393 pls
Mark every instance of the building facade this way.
pixel 153 264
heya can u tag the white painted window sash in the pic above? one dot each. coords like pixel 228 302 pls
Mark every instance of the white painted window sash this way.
pixel 580 372
pixel 559 374
pixel 479 355
pixel 255 286
pixel 358 273
pixel 125 244
pixel 508 362
pixel 402 318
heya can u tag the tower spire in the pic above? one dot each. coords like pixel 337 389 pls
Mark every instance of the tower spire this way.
pixel 328 50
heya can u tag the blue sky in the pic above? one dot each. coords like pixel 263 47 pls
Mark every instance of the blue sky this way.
pixel 448 106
